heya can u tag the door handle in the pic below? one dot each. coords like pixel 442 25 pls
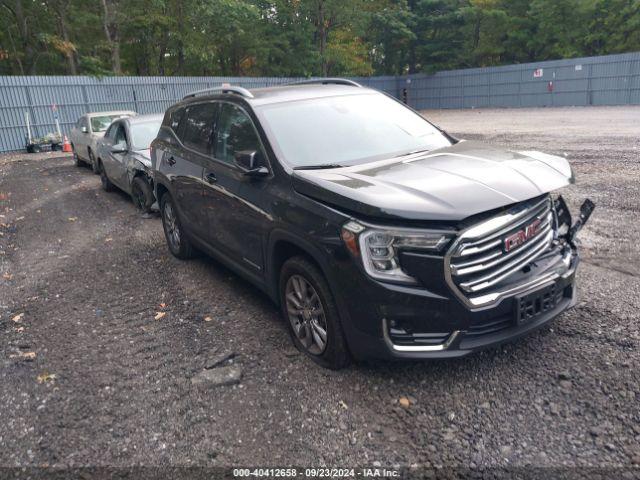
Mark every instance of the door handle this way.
pixel 171 160
pixel 211 178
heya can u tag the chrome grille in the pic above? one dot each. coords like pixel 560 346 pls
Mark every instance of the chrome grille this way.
pixel 477 262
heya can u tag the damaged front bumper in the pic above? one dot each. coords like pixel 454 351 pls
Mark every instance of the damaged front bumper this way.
pixel 412 323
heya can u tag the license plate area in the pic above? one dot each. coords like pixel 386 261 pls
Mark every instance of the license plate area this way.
pixel 531 306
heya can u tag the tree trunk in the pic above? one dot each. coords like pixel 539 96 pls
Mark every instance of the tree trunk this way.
pixel 180 40
pixel 110 25
pixel 71 54
pixel 25 41
pixel 16 57
pixel 322 37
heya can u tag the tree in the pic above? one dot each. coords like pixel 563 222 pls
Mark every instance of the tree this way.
pixel 304 37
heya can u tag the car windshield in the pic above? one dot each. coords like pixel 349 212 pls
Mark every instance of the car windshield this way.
pixel 142 134
pixel 100 124
pixel 346 130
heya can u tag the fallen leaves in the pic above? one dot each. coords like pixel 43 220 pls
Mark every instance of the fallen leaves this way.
pixel 7 276
pixel 72 219
pixel 24 355
pixel 208 319
pixel 159 315
pixel 18 317
pixel 46 377
pixel 404 402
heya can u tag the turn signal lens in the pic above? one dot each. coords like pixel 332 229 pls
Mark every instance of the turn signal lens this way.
pixel 351 241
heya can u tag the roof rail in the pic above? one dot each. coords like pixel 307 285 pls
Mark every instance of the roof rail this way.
pixel 327 81
pixel 223 89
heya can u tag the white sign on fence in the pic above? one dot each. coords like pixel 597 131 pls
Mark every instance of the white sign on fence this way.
pixel 538 72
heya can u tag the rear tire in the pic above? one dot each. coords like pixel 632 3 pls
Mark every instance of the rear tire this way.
pixel 107 186
pixel 141 194
pixel 76 160
pixel 177 241
pixel 309 309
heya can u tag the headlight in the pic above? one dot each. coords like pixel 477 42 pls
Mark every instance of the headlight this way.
pixel 380 248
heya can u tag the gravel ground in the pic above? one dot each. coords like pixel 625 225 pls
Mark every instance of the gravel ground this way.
pixel 103 331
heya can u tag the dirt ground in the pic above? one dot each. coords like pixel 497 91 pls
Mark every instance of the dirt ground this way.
pixel 102 330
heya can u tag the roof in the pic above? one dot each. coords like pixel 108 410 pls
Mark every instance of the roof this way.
pixel 156 117
pixel 111 112
pixel 289 93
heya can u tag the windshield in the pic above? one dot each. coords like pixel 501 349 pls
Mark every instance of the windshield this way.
pixel 347 130
pixel 100 124
pixel 142 134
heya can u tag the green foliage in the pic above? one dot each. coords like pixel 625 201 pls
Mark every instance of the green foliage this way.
pixel 304 37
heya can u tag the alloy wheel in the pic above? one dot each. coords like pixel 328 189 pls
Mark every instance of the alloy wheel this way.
pixel 306 314
pixel 171 226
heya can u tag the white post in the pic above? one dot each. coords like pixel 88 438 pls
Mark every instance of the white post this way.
pixel 58 128
pixel 26 115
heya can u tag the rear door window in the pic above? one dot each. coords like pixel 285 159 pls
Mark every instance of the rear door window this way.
pixel 197 131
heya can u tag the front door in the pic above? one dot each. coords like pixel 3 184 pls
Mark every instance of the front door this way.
pixel 114 164
pixel 234 201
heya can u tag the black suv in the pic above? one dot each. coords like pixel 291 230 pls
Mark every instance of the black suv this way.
pixel 379 234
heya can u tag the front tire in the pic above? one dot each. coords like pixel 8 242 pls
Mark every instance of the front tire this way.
pixel 312 314
pixel 141 194
pixel 177 241
pixel 107 186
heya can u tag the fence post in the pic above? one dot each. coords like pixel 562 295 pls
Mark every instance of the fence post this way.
pixel 589 99
pixel 135 98
pixel 85 98
pixel 34 125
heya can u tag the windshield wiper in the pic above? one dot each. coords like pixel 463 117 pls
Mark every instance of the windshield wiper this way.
pixel 318 167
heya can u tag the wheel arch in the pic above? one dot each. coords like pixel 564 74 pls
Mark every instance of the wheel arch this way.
pixel 159 189
pixel 283 246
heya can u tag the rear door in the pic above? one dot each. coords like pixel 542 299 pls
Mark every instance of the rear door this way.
pixel 184 165
pixel 233 200
pixel 84 138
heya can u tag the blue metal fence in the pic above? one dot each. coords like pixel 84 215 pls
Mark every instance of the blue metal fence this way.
pixel 609 80
pixel 606 80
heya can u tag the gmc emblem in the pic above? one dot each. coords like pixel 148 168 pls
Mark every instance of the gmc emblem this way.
pixel 522 236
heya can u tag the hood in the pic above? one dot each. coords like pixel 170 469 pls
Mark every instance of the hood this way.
pixel 447 184
pixel 144 156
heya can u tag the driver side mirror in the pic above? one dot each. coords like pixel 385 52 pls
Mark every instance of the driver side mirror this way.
pixel 119 148
pixel 84 130
pixel 248 162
